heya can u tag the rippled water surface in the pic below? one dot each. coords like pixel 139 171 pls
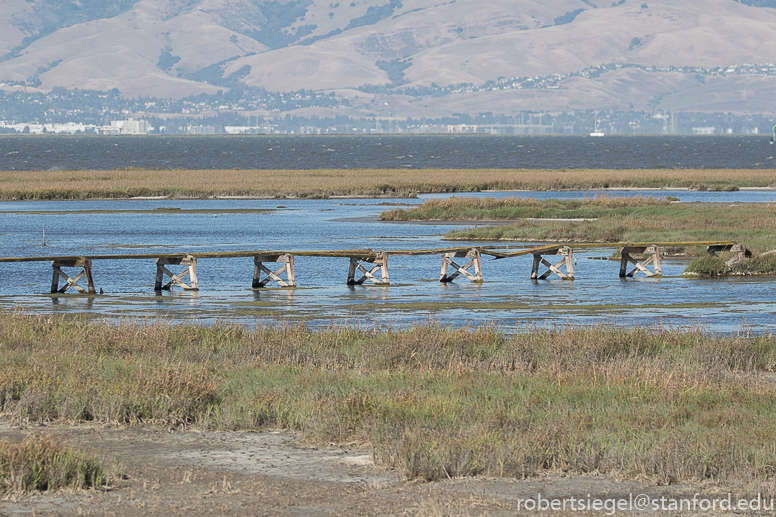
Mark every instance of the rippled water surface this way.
pixel 507 297
pixel 384 151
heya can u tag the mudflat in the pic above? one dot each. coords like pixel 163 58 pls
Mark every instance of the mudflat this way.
pixel 164 472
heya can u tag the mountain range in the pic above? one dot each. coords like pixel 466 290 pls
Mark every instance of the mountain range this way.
pixel 405 56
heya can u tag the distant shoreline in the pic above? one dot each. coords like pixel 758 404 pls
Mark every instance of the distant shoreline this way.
pixel 358 183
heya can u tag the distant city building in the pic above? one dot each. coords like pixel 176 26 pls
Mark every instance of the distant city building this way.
pixel 71 128
pixel 461 128
pixel 128 127
pixel 704 130
pixel 201 130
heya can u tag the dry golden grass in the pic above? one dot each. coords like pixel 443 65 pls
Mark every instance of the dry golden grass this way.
pixel 125 183
pixel 44 462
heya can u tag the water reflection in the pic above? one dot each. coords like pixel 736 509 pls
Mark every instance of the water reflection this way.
pixel 74 302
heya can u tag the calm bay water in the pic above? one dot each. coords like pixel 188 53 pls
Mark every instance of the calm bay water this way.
pixel 507 297
pixel 385 151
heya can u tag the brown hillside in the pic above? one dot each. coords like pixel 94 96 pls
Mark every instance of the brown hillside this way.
pixel 176 48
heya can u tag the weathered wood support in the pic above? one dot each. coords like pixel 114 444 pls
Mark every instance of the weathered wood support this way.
pixel 380 264
pixel 476 261
pixel 288 267
pixel 191 271
pixel 741 254
pixel 740 251
pixel 567 260
pixel 626 258
pixel 86 271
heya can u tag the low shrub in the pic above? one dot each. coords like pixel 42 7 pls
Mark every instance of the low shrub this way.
pixel 708 266
pixel 44 462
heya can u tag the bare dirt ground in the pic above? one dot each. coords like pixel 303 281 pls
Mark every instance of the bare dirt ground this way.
pixel 274 473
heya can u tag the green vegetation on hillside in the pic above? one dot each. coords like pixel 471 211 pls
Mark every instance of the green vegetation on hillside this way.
pixel 275 21
pixel 395 70
pixel 568 17
pixel 759 3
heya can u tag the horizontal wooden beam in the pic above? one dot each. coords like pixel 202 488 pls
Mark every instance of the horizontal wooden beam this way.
pixel 547 249
pixel 369 255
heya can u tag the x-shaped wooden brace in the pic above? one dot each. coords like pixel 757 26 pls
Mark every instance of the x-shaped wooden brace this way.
pixel 83 263
pixel 191 270
pixel 739 249
pixel 288 267
pixel 473 254
pixel 625 254
pixel 380 264
pixel 568 260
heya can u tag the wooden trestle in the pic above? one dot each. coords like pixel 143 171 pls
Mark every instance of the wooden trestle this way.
pixel 287 259
pixel 377 261
pixel 739 249
pixel 626 257
pixel 476 260
pixel 567 260
pixel 191 270
pixel 86 271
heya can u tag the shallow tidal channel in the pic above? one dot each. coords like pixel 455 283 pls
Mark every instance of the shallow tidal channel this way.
pixel 507 297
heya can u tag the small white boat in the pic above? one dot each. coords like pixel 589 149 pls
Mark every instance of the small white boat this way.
pixel 596 131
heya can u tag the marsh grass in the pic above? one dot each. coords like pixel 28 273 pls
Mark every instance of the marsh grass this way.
pixel 707 266
pixel 44 462
pixel 660 404
pixel 322 183
pixel 488 208
pixel 631 219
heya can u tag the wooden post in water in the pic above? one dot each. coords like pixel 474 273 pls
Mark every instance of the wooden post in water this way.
pixel 86 267
pixel 191 271
pixel 626 258
pixel 569 253
pixel 476 260
pixel 739 249
pixel 741 253
pixel 567 260
pixel 288 267
pixel 537 259
pixel 380 264
pixel 384 269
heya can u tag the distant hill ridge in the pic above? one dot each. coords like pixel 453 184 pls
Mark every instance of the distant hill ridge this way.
pixel 177 48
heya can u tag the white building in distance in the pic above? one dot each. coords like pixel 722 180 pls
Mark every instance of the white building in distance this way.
pixel 127 127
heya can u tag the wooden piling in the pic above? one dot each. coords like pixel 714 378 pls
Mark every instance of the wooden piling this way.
pixel 288 267
pixel 191 270
pixel 380 263
pixel 86 271
pixel 740 250
pixel 567 261
pixel 476 260
pixel 626 257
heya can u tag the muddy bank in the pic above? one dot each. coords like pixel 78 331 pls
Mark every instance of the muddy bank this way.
pixel 273 473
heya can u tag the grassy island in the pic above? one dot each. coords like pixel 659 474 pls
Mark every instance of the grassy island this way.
pixel 322 183
pixel 432 401
pixel 603 219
